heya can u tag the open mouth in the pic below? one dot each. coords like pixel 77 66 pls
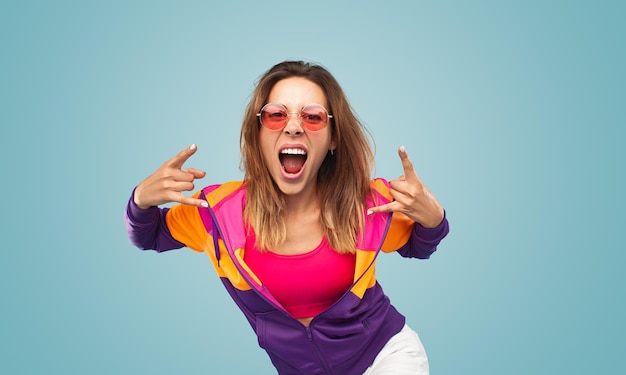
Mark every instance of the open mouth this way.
pixel 292 159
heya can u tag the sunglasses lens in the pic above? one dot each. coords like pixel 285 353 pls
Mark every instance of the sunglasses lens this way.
pixel 314 117
pixel 274 117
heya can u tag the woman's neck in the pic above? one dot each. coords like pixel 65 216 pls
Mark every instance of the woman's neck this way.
pixel 303 203
pixel 302 220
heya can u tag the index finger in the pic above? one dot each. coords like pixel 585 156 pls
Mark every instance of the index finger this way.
pixel 407 165
pixel 180 158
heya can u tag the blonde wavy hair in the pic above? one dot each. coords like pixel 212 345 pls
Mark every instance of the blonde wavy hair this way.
pixel 343 179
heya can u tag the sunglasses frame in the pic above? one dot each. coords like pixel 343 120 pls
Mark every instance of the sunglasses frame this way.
pixel 328 116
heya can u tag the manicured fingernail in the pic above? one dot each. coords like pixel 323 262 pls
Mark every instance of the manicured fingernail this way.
pixel 204 204
pixel 369 212
pixel 402 149
pixel 192 147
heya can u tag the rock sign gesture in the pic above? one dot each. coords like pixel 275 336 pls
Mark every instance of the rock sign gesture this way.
pixel 412 197
pixel 166 183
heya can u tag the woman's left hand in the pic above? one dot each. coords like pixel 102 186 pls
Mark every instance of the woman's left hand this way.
pixel 412 197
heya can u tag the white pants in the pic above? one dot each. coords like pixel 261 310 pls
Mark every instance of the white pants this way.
pixel 403 354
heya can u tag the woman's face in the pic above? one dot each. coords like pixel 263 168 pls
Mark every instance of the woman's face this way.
pixel 294 154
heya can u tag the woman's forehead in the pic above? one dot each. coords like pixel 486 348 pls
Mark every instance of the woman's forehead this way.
pixel 297 92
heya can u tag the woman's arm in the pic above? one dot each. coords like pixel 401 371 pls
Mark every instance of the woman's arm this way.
pixel 423 241
pixel 147 229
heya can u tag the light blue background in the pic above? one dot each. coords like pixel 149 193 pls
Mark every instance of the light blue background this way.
pixel 512 113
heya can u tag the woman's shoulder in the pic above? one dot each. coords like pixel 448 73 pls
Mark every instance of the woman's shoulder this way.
pixel 381 187
pixel 218 192
pixel 229 185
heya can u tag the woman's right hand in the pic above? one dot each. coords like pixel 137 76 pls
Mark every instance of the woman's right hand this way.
pixel 166 183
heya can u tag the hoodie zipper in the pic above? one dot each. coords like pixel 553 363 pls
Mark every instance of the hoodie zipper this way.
pixel 320 358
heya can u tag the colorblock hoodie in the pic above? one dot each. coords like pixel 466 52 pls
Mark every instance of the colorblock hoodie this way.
pixel 345 338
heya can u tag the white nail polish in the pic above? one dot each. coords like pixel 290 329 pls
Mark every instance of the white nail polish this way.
pixel 204 204
pixel 192 147
pixel 402 149
pixel 369 212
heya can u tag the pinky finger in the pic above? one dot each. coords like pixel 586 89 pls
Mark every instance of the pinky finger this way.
pixel 389 207
pixel 193 201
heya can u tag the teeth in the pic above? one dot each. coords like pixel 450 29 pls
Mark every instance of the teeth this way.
pixel 293 151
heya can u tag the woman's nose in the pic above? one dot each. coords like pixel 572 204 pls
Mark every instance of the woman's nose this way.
pixel 294 125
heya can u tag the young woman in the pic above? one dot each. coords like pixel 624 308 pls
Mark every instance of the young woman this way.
pixel 295 242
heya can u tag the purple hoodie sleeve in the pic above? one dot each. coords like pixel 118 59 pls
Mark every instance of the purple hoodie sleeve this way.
pixel 423 241
pixel 147 228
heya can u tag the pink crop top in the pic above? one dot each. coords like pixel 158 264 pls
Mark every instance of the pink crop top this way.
pixel 305 284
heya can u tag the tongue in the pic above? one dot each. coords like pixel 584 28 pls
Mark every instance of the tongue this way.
pixel 292 163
